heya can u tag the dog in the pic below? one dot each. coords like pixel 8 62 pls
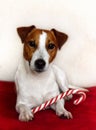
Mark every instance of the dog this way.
pixel 37 78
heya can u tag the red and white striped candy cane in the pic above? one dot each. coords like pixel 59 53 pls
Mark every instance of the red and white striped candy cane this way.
pixel 60 96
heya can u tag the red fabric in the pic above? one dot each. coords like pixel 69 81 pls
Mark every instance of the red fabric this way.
pixel 84 114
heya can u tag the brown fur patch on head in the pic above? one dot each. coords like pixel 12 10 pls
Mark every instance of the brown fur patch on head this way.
pixel 30 37
pixel 34 36
pixel 29 48
pixel 51 45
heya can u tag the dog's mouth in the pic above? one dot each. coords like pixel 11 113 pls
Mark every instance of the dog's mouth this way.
pixel 39 70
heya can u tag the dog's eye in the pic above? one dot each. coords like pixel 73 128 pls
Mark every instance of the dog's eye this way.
pixel 32 43
pixel 51 46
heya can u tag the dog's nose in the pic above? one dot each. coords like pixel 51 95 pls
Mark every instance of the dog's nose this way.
pixel 40 64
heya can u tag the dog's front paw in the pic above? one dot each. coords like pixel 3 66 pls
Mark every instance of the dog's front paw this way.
pixel 64 114
pixel 25 113
pixel 67 115
pixel 26 116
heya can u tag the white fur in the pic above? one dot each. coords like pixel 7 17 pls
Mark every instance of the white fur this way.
pixel 41 52
pixel 42 40
pixel 34 89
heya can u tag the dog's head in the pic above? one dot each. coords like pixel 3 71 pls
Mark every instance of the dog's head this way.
pixel 40 46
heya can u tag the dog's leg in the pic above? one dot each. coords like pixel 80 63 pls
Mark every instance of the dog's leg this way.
pixel 25 113
pixel 60 110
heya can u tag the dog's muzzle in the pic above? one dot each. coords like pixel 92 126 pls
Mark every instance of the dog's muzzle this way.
pixel 39 65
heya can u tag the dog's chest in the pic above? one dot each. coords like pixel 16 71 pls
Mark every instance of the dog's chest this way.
pixel 39 88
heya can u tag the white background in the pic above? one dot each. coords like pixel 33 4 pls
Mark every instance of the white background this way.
pixel 77 18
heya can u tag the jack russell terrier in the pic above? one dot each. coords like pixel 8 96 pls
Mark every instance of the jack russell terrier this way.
pixel 37 78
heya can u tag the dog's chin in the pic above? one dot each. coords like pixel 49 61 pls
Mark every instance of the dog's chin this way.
pixel 38 70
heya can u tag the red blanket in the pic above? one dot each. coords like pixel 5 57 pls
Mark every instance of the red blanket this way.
pixel 84 114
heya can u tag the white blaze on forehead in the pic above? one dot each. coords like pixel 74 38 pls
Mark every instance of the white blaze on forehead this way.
pixel 41 51
pixel 42 40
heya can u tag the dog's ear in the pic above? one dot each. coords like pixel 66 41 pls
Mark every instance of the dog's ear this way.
pixel 60 37
pixel 23 31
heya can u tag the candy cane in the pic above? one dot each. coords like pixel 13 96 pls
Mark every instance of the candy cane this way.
pixel 60 96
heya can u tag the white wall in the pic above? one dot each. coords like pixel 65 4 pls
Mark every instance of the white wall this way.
pixel 77 18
